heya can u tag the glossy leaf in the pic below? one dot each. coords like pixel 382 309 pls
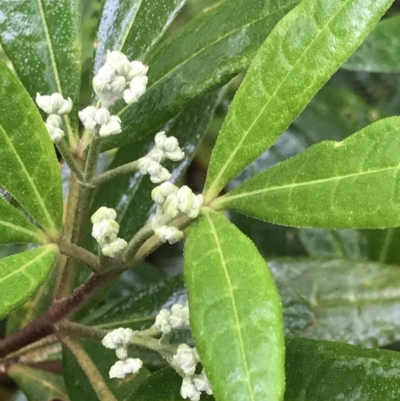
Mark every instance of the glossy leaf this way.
pixel 134 27
pixel 14 227
pixel 201 56
pixel 163 385
pixel 28 163
pixel 348 184
pixel 317 370
pixel 383 245
pixel 339 300
pixel 380 52
pixel 131 193
pixel 303 51
pixel 22 274
pixel 78 385
pixel 37 384
pixel 42 38
pixel 235 312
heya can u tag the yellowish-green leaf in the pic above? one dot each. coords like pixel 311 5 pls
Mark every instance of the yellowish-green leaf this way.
pixel 302 52
pixel 349 184
pixel 235 312
pixel 22 274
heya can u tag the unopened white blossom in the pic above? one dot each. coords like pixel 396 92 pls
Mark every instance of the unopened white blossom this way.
pixel 169 234
pixel 54 104
pixel 156 171
pixel 105 231
pixel 170 206
pixel 103 213
pixel 162 321
pixel 114 248
pixel 123 368
pixel 186 359
pixel 189 390
pixel 189 203
pixel 136 90
pixel 179 316
pixel 156 155
pixel 112 127
pixel 137 69
pixel 202 383
pixel 87 116
pixel 53 124
pixel 159 194
pixel 169 145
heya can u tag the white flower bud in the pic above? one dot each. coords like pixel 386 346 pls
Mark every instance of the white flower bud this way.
pixel 202 383
pixel 103 213
pixel 54 120
pixel 185 359
pixel 114 248
pixel 114 58
pixel 179 316
pixel 170 144
pixel 54 104
pixel 113 127
pixel 159 194
pixel 159 139
pixel 189 390
pixel 143 164
pixel 122 368
pixel 56 134
pixel 118 338
pixel 162 321
pixel 117 86
pixel 87 116
pixel 138 69
pixel 158 173
pixel 169 234
pixel 185 197
pixel 43 102
pixel 156 155
pixel 176 155
pixel 102 116
pixel 66 107
pixel 196 206
pixel 105 231
pixel 170 206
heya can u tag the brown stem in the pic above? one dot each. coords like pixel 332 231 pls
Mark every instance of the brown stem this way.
pixel 87 365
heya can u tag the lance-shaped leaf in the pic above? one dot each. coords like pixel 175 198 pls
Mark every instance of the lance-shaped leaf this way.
pixel 339 300
pixel 235 312
pixel 298 57
pixel 134 27
pixel 348 184
pixel 328 371
pixel 37 384
pixel 14 227
pixel 201 56
pixel 42 38
pixel 380 52
pixel 22 274
pixel 28 163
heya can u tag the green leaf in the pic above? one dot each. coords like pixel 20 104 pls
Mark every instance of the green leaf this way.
pixel 348 184
pixel 22 274
pixel 134 27
pixel 163 385
pixel 15 227
pixel 42 38
pixel 236 315
pixel 28 163
pixel 37 384
pixel 131 193
pixel 298 57
pixel 201 56
pixel 339 300
pixel 380 52
pixel 317 371
pixel 383 245
pixel 77 383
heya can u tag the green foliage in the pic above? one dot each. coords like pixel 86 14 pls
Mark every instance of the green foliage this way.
pixel 330 185
pixel 236 312
pixel 22 274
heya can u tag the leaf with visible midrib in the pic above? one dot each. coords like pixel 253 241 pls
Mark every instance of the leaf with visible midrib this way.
pixel 134 27
pixel 22 274
pixel 235 312
pixel 349 184
pixel 42 38
pixel 28 163
pixel 298 57
pixel 201 56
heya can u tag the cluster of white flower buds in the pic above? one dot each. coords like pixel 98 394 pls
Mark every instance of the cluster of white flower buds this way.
pixel 119 78
pixel 100 120
pixel 105 231
pixel 119 339
pixel 54 105
pixel 166 148
pixel 171 201
pixel 193 385
pixel 177 318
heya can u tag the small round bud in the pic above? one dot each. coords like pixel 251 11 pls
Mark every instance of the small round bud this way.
pixel 138 69
pixel 102 116
pixel 156 155
pixel 54 120
pixel 162 321
pixel 202 383
pixel 184 358
pixel 159 139
pixel 106 231
pixel 189 390
pixel 103 213
pixel 87 116
pixel 123 368
pixel 169 234
pixel 160 193
pixel 114 248
pixel 118 338
pixel 113 127
pixel 171 205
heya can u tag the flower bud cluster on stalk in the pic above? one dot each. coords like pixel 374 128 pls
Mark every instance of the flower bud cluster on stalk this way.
pixel 184 359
